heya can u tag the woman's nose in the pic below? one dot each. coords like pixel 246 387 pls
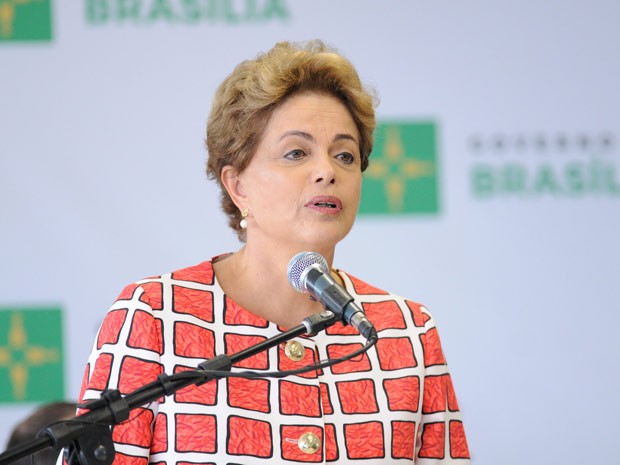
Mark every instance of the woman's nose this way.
pixel 324 171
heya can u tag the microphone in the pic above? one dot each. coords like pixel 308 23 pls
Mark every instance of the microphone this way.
pixel 308 272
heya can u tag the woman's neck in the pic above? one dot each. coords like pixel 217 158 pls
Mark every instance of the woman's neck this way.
pixel 256 278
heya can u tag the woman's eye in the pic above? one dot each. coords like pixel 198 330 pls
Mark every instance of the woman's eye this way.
pixel 295 154
pixel 347 157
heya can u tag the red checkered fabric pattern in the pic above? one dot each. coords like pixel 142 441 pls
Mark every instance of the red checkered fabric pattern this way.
pixel 395 402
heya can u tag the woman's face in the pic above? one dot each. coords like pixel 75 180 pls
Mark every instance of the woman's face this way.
pixel 302 186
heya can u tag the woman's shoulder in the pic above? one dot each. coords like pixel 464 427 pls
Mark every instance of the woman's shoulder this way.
pixel 151 287
pixel 381 303
pixel 202 273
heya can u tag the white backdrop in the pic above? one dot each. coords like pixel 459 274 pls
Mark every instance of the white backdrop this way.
pixel 102 183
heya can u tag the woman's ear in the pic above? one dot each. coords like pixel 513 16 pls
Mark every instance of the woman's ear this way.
pixel 232 184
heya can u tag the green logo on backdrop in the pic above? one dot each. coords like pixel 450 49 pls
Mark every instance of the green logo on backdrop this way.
pixel 185 11
pixel 25 20
pixel 402 174
pixel 31 368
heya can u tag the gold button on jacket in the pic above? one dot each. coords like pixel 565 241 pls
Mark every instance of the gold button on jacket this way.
pixel 294 350
pixel 309 443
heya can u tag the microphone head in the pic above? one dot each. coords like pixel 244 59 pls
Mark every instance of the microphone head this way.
pixel 300 264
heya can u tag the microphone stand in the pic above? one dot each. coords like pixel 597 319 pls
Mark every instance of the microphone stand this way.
pixel 89 436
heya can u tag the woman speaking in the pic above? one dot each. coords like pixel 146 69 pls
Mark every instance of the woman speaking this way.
pixel 288 138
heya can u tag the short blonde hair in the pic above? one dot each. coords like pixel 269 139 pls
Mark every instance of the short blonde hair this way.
pixel 243 104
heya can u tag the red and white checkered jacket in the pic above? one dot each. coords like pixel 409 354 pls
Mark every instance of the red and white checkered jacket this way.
pixel 395 403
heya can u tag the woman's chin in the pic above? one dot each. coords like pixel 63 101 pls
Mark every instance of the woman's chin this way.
pixel 324 239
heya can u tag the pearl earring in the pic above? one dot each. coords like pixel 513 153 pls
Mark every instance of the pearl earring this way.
pixel 244 214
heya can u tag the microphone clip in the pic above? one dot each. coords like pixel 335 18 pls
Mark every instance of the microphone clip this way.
pixel 319 321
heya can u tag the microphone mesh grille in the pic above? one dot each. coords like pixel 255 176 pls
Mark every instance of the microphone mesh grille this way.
pixel 299 264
